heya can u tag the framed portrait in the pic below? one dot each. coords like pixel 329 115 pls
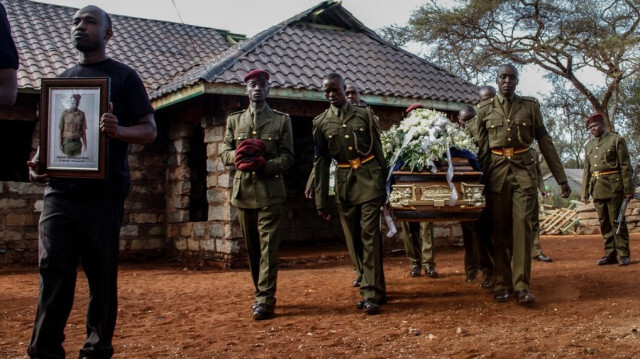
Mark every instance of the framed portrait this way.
pixel 71 143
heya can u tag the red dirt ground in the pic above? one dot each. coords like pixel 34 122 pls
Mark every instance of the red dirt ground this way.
pixel 582 310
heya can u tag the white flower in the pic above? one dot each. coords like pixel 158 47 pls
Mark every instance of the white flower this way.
pixel 434 134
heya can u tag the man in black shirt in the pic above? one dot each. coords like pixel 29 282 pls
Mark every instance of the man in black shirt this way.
pixel 81 219
pixel 8 62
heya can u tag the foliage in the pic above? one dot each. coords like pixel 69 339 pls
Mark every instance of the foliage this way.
pixel 433 134
pixel 472 37
pixel 565 111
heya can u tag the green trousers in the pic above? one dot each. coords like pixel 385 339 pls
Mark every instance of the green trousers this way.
pixel 512 213
pixel 418 242
pixel 261 231
pixel 608 210
pixel 353 236
pixel 476 236
pixel 366 216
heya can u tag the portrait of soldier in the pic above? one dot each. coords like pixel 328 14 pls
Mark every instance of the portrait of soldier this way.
pixel 73 129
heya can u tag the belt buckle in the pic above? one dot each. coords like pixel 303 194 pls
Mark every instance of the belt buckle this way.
pixel 596 173
pixel 507 152
pixel 355 163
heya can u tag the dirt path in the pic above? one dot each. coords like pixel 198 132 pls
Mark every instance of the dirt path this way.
pixel 582 310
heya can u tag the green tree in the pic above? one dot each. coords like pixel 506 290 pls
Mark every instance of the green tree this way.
pixel 562 37
pixel 565 111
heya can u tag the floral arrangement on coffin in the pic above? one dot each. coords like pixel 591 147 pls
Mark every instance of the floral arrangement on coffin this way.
pixel 424 138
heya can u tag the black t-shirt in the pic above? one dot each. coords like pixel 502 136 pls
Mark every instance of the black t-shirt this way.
pixel 8 52
pixel 130 103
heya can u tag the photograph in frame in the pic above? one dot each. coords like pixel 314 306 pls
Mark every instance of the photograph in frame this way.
pixel 71 143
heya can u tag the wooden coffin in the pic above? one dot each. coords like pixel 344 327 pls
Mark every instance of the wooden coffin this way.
pixel 424 196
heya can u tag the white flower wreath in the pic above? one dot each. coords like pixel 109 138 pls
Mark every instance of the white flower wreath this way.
pixel 433 135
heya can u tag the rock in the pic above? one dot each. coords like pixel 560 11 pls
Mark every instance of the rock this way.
pixel 461 330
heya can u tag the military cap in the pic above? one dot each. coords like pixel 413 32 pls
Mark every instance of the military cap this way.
pixel 260 74
pixel 594 118
pixel 76 96
pixel 413 107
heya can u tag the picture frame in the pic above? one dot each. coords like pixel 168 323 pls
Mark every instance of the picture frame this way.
pixel 71 143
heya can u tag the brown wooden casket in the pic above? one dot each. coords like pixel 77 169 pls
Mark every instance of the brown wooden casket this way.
pixel 424 196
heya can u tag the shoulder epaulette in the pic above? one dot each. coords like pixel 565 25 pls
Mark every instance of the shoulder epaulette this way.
pixel 483 103
pixel 320 115
pixel 529 98
pixel 237 112
pixel 280 112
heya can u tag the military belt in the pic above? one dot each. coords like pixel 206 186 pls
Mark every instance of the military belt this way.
pixel 509 151
pixel 602 173
pixel 357 162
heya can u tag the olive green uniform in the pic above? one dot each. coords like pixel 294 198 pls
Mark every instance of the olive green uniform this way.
pixel 476 235
pixel 512 181
pixel 73 125
pixel 351 133
pixel 418 242
pixel 353 247
pixel 259 196
pixel 607 178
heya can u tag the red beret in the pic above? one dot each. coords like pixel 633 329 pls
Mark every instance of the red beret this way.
pixel 263 75
pixel 594 118
pixel 413 107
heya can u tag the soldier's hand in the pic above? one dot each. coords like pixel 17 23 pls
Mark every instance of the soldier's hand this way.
pixel 585 200
pixel 308 193
pixel 324 214
pixel 34 166
pixel 629 196
pixel 566 190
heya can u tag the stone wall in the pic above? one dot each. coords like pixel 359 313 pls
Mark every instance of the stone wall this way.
pixel 591 225
pixel 20 207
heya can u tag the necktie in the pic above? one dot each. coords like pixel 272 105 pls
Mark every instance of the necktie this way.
pixel 507 106
pixel 254 118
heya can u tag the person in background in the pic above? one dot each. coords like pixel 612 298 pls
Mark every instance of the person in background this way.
pixel 607 179
pixel 81 218
pixel 259 142
pixel 351 135
pixel 8 62
pixel 418 238
pixel 476 235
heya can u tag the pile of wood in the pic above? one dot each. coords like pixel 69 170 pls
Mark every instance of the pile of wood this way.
pixel 555 221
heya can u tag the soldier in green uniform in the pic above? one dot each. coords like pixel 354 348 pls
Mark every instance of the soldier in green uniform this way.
pixel 73 129
pixel 418 238
pixel 607 179
pixel 351 135
pixel 476 235
pixel 354 247
pixel 507 125
pixel 259 142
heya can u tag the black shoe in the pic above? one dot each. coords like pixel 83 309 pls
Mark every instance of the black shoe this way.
pixel 415 272
pixel 254 306
pixel 607 260
pixel 371 306
pixel 525 297
pixel 541 257
pixel 487 283
pixel 356 282
pixel 501 295
pixel 360 303
pixel 471 278
pixel 431 272
pixel 624 261
pixel 263 312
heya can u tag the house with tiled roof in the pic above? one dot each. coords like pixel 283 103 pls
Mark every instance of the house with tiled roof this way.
pixel 179 201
